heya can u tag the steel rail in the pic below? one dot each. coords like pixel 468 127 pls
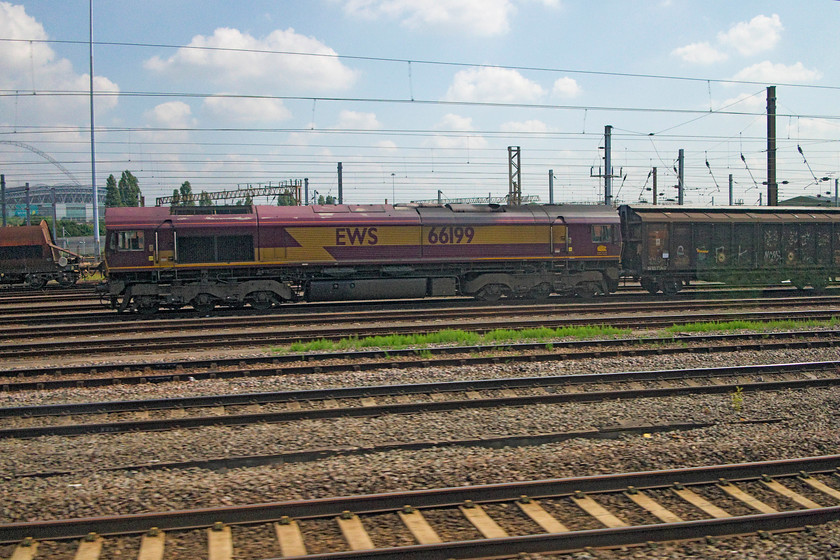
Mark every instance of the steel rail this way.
pixel 438 498
pixel 308 455
pixel 255 338
pixel 242 399
pixel 405 359
pixel 129 323
pixel 400 408
pixel 70 316
pixel 593 538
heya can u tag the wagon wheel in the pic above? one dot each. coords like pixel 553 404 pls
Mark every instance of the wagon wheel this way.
pixel 649 284
pixel 671 286
pixel 490 292
pixel 261 301
pixel 35 281
pixel 204 303
pixel 800 282
pixel 819 283
pixel 67 279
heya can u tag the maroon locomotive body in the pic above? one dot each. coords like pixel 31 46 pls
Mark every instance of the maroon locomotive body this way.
pixel 263 255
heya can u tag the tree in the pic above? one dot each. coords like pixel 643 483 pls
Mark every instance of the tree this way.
pixel 186 194
pixel 112 193
pixel 321 199
pixel 176 197
pixel 204 199
pixel 285 199
pixel 248 200
pixel 129 189
pixel 330 199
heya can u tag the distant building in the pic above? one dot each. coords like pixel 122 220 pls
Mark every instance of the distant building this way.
pixel 72 201
pixel 808 201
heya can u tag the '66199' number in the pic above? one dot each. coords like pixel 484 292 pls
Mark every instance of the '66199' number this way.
pixel 450 234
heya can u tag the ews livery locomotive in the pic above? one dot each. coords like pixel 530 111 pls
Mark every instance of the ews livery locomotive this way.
pixel 263 255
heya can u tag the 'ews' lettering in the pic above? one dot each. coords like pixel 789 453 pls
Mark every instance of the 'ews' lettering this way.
pixel 356 236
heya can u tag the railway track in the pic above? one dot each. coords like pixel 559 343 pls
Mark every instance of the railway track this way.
pixel 272 336
pixel 100 375
pixel 287 406
pixel 300 316
pixel 504 519
pixel 86 308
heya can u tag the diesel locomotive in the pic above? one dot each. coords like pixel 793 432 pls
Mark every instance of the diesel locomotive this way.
pixel 263 255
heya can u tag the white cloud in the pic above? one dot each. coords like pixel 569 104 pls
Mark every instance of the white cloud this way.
pixel 451 121
pixel 700 53
pixel 235 109
pixel 172 114
pixel 479 17
pixel 744 102
pixel 358 121
pixel 499 85
pixel 29 66
pixel 387 145
pixel 456 123
pixel 565 87
pixel 532 125
pixel 813 128
pixel 282 72
pixel 768 72
pixel 759 34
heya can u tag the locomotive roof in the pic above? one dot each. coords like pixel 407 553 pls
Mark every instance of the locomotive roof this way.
pixel 381 213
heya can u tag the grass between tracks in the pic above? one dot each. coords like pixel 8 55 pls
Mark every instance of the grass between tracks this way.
pixel 502 336
pixel 752 325
pixel 452 337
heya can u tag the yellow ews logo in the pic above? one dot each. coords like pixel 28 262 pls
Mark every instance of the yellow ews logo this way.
pixel 356 236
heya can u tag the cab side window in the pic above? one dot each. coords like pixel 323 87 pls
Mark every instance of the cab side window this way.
pixel 131 240
pixel 603 234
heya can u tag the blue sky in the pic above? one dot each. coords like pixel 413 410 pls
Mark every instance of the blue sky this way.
pixel 415 96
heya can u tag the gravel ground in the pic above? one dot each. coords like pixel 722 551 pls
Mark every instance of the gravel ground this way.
pixel 808 427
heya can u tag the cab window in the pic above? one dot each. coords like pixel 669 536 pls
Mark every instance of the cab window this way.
pixel 131 240
pixel 603 234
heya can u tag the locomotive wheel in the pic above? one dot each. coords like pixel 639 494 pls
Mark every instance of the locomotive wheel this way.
pixel 490 292
pixel 36 282
pixel 588 290
pixel 146 305
pixel 540 291
pixel 671 286
pixel 204 304
pixel 649 284
pixel 261 301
